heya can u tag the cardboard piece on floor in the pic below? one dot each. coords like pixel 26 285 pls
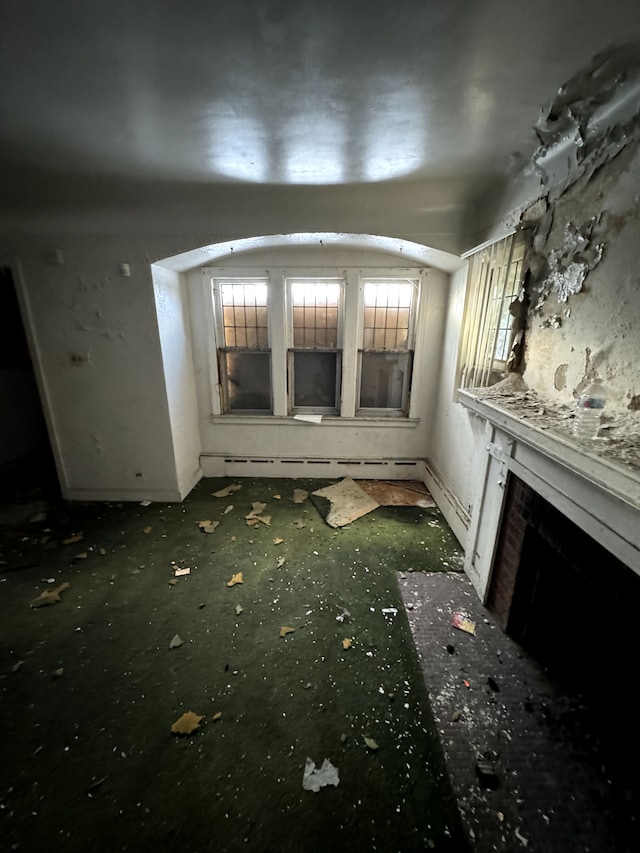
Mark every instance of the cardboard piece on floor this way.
pixel 348 502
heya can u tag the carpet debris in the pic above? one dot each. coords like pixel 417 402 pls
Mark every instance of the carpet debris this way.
pixel 186 724
pixel 313 779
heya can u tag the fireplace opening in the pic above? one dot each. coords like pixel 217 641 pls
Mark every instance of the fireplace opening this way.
pixel 575 608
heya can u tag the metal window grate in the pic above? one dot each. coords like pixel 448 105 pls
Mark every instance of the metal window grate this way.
pixel 315 314
pixel 387 312
pixel 244 315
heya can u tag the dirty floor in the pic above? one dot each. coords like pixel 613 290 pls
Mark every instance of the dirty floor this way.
pixel 93 681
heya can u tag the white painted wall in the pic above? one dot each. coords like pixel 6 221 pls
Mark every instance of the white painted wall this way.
pixel 97 357
pixel 454 467
pixel 175 340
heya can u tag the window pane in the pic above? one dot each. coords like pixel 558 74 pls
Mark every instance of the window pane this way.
pixel 248 380
pixel 387 307
pixel 382 380
pixel 315 379
pixel 315 313
pixel 244 314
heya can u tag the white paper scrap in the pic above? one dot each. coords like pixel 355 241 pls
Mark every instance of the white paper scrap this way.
pixel 313 780
pixel 309 419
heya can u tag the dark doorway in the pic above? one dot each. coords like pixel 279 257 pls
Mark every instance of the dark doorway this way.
pixel 26 459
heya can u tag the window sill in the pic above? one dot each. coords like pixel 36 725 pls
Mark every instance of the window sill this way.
pixel 327 421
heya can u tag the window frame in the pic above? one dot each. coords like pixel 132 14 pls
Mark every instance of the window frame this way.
pixel 409 351
pixel 222 350
pixel 494 283
pixel 292 349
pixel 280 335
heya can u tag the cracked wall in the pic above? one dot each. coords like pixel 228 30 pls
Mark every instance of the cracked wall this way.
pixel 584 286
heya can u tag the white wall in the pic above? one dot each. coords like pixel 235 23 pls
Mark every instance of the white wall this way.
pixel 97 358
pixel 454 465
pixel 175 340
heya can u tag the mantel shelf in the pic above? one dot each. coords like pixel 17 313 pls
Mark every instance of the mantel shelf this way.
pixel 613 477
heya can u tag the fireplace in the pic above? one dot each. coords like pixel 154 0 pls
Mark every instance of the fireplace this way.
pixel 563 596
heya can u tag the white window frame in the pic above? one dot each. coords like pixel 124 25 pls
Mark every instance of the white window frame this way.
pixel 491 270
pixel 290 281
pixel 281 337
pixel 409 350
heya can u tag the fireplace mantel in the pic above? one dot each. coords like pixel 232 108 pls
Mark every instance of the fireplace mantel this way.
pixel 598 494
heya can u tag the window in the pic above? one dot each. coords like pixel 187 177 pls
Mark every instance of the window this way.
pixel 387 344
pixel 493 284
pixel 314 342
pixel 244 358
pixel 314 359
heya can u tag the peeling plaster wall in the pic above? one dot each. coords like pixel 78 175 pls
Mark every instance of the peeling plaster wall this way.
pixel 596 330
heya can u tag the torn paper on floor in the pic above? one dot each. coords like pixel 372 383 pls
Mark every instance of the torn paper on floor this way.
pixel 314 779
pixel 348 502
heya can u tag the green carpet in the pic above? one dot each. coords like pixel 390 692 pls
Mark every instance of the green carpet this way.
pixel 88 757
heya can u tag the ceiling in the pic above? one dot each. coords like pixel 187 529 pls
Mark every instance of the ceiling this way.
pixel 384 117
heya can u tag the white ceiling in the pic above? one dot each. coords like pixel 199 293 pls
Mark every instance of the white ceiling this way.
pixel 401 111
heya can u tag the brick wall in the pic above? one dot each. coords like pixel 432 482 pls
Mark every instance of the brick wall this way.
pixel 519 508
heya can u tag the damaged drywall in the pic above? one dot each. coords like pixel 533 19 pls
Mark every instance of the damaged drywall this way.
pixel 577 316
pixel 590 120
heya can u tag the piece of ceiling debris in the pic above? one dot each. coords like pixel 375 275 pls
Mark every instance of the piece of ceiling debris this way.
pixel 280 563
pixel 313 779
pixel 58 673
pixel 394 493
pixel 463 623
pixel 217 716
pixel 82 556
pixel 147 529
pixel 233 539
pixel 186 724
pixel 239 609
pixel 371 744
pixel 224 493
pixel 259 519
pixel 176 642
pixel 49 596
pixel 256 509
pixel 300 523
pixel 208 526
pixel 277 497
pixel 76 537
pixel 228 509
pixel 347 643
pixel 173 582
pixel 235 579
pixel 145 503
pixel 348 502
pixel 341 617
pixel 286 630
pixel 103 552
pixel 182 571
pixel 299 496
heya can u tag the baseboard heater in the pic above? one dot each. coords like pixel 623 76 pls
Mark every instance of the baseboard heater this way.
pixel 254 466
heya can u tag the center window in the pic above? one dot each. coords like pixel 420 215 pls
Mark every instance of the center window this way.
pixel 315 357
